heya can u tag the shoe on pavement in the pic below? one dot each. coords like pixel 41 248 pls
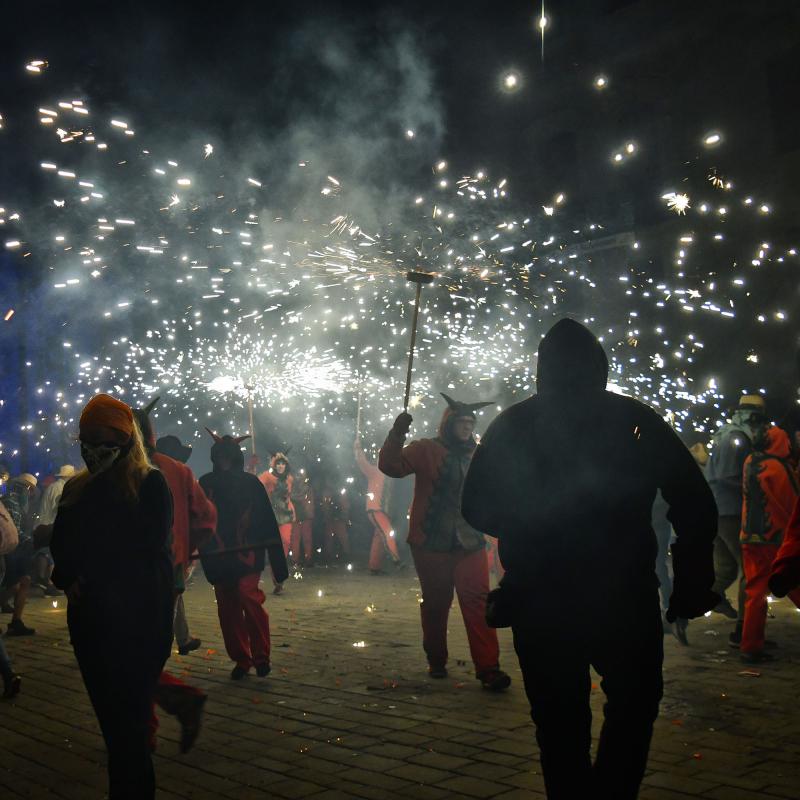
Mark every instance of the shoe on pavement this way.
pixel 52 591
pixel 437 672
pixel 190 717
pixel 11 685
pixel 18 628
pixel 756 657
pixel 495 680
pixel 278 589
pixel 262 670
pixel 734 644
pixel 725 608
pixel 378 572
pixel 237 673
pixel 187 647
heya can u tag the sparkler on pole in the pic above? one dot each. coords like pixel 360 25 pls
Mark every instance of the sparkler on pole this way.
pixel 250 418
pixel 419 278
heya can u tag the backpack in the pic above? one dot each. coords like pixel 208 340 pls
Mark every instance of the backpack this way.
pixel 9 538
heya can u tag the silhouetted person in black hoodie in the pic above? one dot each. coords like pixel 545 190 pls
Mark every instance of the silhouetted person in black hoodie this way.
pixel 566 481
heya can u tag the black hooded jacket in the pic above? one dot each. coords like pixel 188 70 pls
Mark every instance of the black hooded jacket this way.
pixel 244 517
pixel 566 481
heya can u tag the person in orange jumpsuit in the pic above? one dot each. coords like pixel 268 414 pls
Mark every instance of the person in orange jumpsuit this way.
pixel 279 483
pixel 770 496
pixel 383 538
pixel 786 567
pixel 194 520
pixel 335 511
pixel 304 502
pixel 449 554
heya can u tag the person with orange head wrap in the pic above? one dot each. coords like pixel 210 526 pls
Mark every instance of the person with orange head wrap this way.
pixel 111 531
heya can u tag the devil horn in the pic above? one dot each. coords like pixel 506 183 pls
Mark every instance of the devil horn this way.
pixel 240 439
pixel 151 405
pixel 450 402
pixel 214 436
pixel 476 406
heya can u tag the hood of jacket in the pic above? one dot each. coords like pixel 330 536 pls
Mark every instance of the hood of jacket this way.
pixel 571 360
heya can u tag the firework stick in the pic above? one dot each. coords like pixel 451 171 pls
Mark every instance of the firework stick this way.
pixel 419 278
pixel 358 413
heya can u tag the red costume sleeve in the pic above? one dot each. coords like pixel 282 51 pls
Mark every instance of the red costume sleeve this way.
pixel 269 480
pixel 787 562
pixel 397 461
pixel 202 517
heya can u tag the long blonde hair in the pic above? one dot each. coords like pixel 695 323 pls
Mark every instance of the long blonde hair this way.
pixel 127 474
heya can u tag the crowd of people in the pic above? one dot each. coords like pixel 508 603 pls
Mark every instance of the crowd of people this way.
pixel 575 492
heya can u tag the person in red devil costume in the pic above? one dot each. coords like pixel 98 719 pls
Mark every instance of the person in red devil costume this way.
pixel 383 538
pixel 304 502
pixel 234 559
pixel 448 553
pixel 194 519
pixel 279 483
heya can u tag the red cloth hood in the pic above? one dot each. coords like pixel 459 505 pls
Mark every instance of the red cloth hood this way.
pixel 778 442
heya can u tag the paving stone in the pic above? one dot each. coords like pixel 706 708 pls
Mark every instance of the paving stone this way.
pixel 333 721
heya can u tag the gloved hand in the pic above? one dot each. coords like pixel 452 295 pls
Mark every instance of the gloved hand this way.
pixel 402 424
pixel 690 604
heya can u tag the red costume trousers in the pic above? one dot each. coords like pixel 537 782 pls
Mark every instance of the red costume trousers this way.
pixel 495 565
pixel 172 695
pixel 467 573
pixel 286 536
pixel 244 622
pixel 336 531
pixel 383 540
pixel 757 562
pixel 301 535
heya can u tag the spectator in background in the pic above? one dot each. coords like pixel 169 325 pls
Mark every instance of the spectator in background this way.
pixel 770 495
pixel 732 443
pixel 334 507
pixel 48 508
pixel 17 580
pixel 9 539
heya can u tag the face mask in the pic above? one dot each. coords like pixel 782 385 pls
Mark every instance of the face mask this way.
pixel 99 457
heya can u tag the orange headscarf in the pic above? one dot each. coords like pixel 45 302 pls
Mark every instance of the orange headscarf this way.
pixel 109 412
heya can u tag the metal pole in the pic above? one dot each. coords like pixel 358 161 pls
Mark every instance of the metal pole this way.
pixel 413 345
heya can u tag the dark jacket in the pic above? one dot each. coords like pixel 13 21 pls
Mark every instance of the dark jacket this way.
pixel 566 481
pixel 244 517
pixel 118 552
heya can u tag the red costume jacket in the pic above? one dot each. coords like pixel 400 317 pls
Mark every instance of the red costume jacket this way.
pixel 194 515
pixel 439 467
pixel 376 480
pixel 787 563
pixel 770 491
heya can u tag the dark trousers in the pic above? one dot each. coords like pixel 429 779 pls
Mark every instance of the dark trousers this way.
pixel 625 646
pixel 121 691
pixel 728 560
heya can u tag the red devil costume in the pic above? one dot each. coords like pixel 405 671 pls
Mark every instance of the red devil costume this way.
pixel 383 539
pixel 448 553
pixel 279 487
pixel 786 567
pixel 193 521
pixel 770 494
pixel 234 559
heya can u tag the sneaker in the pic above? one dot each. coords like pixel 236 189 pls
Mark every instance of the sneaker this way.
pixel 262 670
pixel 11 685
pixel 278 589
pixel 18 628
pixel 495 680
pixel 190 717
pixel 725 608
pixel 757 657
pixel 187 647
pixel 437 672
pixel 237 673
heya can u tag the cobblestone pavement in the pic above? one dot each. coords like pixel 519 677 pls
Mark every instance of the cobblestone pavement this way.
pixel 348 711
